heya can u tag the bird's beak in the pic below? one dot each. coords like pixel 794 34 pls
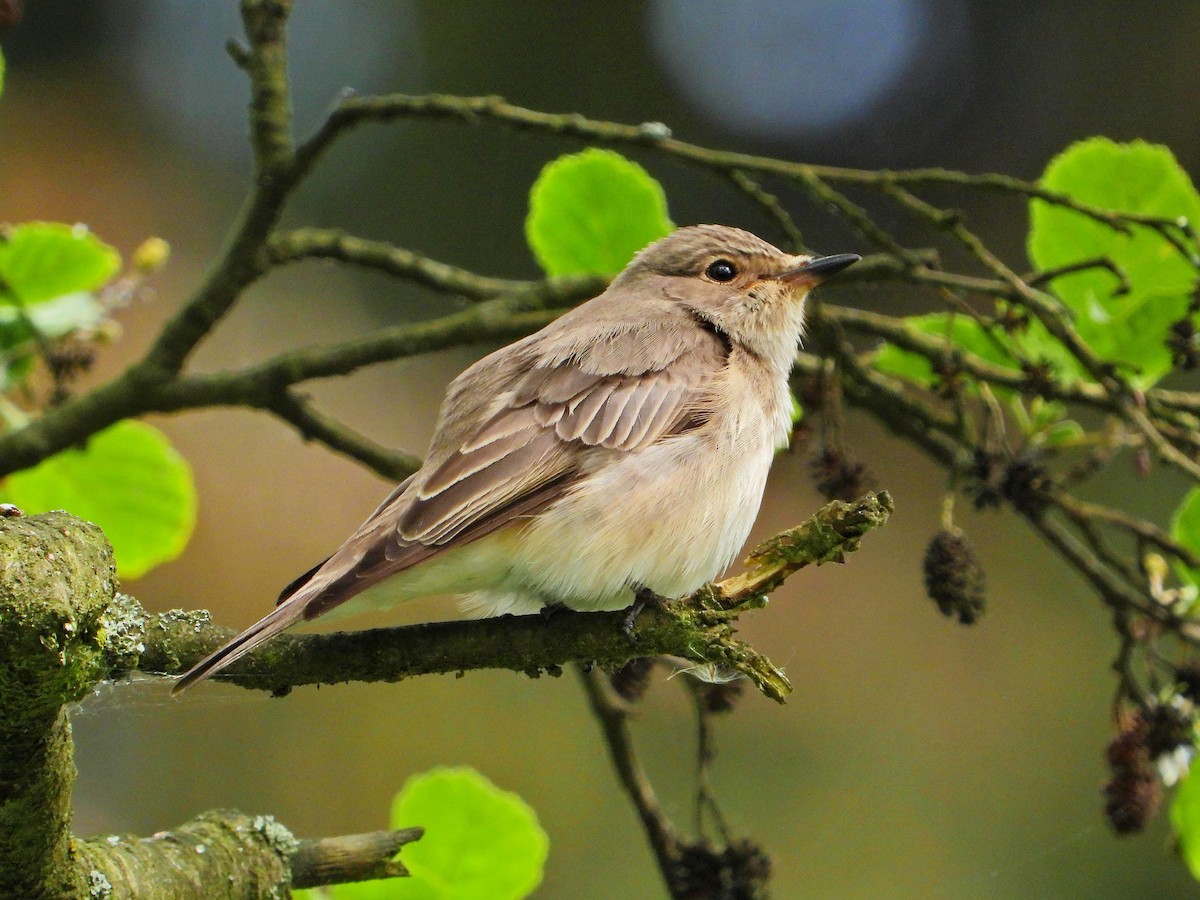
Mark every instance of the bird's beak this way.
pixel 818 269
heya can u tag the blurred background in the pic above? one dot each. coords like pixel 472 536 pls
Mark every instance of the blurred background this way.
pixel 917 758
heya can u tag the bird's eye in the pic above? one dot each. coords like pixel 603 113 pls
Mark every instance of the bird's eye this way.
pixel 721 270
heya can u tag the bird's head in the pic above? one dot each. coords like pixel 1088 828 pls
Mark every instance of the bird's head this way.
pixel 749 290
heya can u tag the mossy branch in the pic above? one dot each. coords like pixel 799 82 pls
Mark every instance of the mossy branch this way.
pixel 697 627
pixel 60 626
pixel 65 628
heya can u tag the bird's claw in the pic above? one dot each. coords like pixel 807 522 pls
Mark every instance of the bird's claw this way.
pixel 643 598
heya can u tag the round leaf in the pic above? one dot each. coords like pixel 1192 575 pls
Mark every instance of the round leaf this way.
pixel 480 842
pixel 1135 178
pixel 590 212
pixel 130 481
pixel 44 260
pixel 1185 819
pixel 1185 529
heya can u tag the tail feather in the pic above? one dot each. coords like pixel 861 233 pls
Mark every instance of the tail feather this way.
pixel 373 553
pixel 279 619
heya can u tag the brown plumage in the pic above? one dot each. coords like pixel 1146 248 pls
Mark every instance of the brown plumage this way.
pixel 663 397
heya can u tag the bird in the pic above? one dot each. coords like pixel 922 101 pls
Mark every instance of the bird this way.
pixel 621 451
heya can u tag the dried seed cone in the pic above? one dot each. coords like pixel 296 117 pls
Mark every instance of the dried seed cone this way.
pixel 837 477
pixel 1134 794
pixel 720 697
pixel 740 871
pixel 632 679
pixel 954 576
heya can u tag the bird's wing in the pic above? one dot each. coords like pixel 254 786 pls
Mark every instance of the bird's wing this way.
pixel 522 451
pixel 513 433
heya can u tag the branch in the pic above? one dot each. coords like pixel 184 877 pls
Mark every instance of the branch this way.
pixel 773 208
pixel 698 627
pixel 1144 531
pixel 136 393
pixel 1056 320
pixel 835 530
pixel 1116 594
pixel 614 720
pixel 353 857
pixel 314 426
pixel 355 111
pixel 265 22
pixel 59 628
pixel 890 401
pixel 232 855
pixel 303 244
pixel 259 386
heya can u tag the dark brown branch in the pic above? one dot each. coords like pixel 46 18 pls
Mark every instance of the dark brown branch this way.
pixel 1045 276
pixel 1145 531
pixel 356 111
pixel 1109 586
pixel 770 204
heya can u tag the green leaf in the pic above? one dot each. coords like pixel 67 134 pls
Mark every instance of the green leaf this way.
pixel 1185 530
pixel 1185 819
pixel 44 260
pixel 3 68
pixel 53 319
pixel 130 481
pixel 1061 433
pixel 590 212
pixel 381 889
pixel 967 336
pixel 1134 178
pixel 480 842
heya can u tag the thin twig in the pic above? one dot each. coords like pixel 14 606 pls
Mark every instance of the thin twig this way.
pixel 356 111
pixel 771 205
pixel 1045 276
pixel 1146 531
pixel 315 426
pixel 614 722
pixel 302 244
pixel 839 203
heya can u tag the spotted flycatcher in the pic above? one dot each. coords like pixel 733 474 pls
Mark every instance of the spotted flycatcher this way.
pixel 622 448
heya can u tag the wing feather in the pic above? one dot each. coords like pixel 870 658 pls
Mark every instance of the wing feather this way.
pixel 622 378
pixel 549 415
pixel 581 412
pixel 520 428
pixel 439 517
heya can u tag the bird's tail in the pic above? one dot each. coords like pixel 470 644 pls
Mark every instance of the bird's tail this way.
pixel 279 619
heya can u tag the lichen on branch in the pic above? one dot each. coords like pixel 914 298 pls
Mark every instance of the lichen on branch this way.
pixel 697 627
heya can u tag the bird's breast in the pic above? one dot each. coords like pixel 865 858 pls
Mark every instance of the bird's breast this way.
pixel 668 517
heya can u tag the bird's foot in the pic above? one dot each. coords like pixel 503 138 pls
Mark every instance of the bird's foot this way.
pixel 548 611
pixel 643 598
